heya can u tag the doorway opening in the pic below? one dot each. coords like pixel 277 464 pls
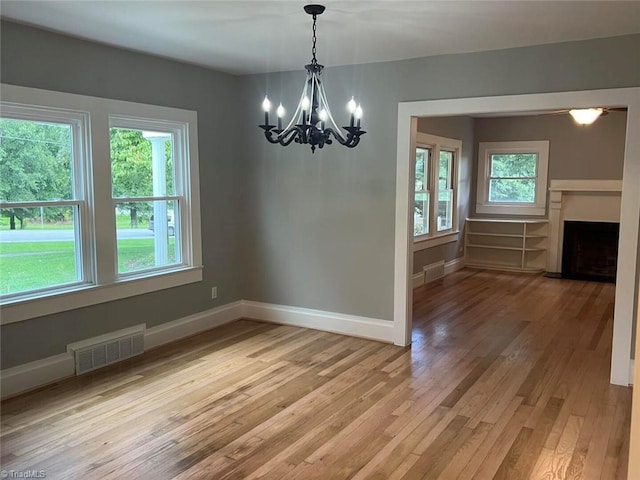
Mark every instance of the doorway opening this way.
pixel 627 272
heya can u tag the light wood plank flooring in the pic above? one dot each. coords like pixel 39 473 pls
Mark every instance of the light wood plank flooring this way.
pixel 507 378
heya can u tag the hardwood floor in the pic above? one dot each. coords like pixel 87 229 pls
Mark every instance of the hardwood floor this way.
pixel 507 378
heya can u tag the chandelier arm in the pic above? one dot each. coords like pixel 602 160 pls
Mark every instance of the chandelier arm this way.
pixel 314 105
pixel 288 136
pixel 338 136
pixel 311 84
pixel 352 139
pixel 268 133
pixel 297 115
pixel 284 137
pixel 323 98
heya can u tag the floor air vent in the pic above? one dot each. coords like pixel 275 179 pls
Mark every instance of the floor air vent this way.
pixel 433 272
pixel 107 349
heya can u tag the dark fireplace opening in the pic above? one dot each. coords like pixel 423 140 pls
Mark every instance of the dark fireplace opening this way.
pixel 590 251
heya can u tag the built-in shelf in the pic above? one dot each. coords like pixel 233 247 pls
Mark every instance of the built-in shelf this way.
pixel 494 234
pixel 506 244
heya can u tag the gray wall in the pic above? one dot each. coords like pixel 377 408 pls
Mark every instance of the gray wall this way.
pixel 281 225
pixel 318 229
pixel 460 128
pixel 575 152
pixel 35 58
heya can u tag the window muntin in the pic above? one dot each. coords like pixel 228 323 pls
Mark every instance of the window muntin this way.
pixel 512 177
pixel 41 201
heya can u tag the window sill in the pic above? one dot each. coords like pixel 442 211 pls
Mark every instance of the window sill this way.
pixel 26 308
pixel 422 243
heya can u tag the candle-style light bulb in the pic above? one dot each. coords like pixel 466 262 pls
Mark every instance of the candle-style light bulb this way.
pixel 304 104
pixel 280 114
pixel 323 118
pixel 358 114
pixel 266 106
pixel 351 105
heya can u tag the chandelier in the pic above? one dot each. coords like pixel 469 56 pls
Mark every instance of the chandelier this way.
pixel 312 122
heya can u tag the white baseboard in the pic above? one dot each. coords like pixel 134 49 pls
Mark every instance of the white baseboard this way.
pixel 454 265
pixel 364 327
pixel 31 375
pixel 418 279
pixel 187 326
pixel 36 374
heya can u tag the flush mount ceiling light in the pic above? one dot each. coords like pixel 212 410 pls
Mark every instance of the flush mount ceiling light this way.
pixel 586 116
pixel 312 122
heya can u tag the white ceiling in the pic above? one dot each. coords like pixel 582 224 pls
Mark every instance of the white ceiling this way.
pixel 264 36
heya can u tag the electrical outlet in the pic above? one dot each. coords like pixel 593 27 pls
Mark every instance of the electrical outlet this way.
pixel 214 292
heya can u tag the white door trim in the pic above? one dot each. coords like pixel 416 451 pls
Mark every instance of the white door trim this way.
pixel 627 277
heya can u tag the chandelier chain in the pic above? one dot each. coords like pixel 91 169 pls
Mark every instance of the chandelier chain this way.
pixel 314 61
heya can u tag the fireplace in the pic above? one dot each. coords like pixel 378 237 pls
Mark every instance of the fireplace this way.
pixel 590 251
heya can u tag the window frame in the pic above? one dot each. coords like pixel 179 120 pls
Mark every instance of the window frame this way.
pixel 449 180
pixel 435 144
pixel 101 282
pixel 485 151
pixel 426 186
pixel 80 187
pixel 178 133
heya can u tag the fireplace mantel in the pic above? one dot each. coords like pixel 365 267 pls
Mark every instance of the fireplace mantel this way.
pixel 586 200
pixel 585 186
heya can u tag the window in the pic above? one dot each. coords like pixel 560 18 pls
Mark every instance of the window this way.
pixel 435 177
pixel 445 191
pixel 144 191
pixel 42 200
pixel 422 193
pixel 68 238
pixel 512 177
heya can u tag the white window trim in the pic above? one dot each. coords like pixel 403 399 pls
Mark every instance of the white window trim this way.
pixel 106 287
pixel 437 143
pixel 538 207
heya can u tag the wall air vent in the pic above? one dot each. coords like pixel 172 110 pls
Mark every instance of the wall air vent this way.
pixel 107 349
pixel 433 271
